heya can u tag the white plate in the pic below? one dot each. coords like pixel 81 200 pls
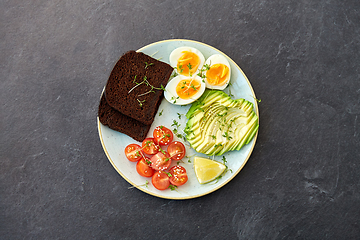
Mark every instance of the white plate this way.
pixel 114 142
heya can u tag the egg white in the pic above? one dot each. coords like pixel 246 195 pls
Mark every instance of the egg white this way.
pixel 177 53
pixel 170 90
pixel 215 59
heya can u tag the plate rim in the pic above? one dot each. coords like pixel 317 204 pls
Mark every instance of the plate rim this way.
pixel 220 185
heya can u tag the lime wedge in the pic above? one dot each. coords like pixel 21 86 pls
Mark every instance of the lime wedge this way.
pixel 207 170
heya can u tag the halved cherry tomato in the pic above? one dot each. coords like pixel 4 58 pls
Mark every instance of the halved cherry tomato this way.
pixel 163 136
pixel 149 146
pixel 133 152
pixel 176 150
pixel 143 167
pixel 178 175
pixel 160 180
pixel 160 161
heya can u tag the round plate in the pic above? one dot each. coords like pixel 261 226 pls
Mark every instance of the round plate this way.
pixel 114 142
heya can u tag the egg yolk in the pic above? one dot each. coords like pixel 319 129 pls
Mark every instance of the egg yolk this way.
pixel 188 63
pixel 217 74
pixel 187 88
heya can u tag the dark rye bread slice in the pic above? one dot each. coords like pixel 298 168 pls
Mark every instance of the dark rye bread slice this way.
pixel 120 122
pixel 137 103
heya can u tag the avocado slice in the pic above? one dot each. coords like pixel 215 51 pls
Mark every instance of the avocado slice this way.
pixel 218 124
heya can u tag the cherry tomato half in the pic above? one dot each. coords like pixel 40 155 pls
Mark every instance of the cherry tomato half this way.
pixel 143 167
pixel 160 180
pixel 163 136
pixel 133 152
pixel 176 150
pixel 160 161
pixel 149 146
pixel 178 175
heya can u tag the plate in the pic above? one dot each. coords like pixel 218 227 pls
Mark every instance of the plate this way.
pixel 114 142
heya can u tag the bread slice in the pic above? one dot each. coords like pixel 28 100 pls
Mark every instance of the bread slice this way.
pixel 130 90
pixel 120 122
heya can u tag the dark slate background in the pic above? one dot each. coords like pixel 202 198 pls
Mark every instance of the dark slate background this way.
pixel 302 180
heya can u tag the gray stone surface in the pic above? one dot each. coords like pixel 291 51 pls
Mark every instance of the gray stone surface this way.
pixel 302 180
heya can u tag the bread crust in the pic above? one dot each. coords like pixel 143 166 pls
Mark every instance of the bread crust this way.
pixel 117 121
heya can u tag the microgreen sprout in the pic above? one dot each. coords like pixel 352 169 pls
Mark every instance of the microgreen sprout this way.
pixel 202 70
pixel 147 143
pixel 225 171
pixel 161 150
pixel 148 65
pixel 225 163
pixel 190 67
pixel 174 74
pixel 226 135
pixel 229 87
pixel 146 82
pixel 176 126
pixel 189 158
pixel 141 102
pixel 172 187
pixel 154 53
pixel 150 91
pixel 224 160
pixel 218 178
pixel 145 185
pixel 137 84
pixel 174 98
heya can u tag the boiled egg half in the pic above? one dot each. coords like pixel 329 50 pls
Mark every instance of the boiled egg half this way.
pixel 182 90
pixel 217 72
pixel 186 60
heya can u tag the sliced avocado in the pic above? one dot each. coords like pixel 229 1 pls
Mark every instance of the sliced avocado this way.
pixel 217 124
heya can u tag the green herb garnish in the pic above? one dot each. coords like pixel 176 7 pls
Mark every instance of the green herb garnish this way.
pixel 141 102
pixel 148 65
pixel 172 187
